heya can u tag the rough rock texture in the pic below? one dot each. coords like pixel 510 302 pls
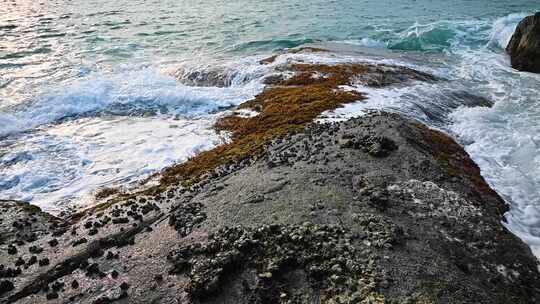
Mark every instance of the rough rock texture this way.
pixel 372 210
pixel 524 47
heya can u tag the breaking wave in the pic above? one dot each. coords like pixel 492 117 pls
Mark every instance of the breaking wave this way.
pixel 131 93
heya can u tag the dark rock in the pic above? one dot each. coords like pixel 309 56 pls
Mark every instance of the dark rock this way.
pixel 59 232
pixel 6 286
pixel 44 262
pixel 57 286
pixel 33 259
pixel 83 264
pixel 7 272
pixel 20 261
pixel 93 270
pixel 275 252
pixel 187 216
pixel 524 46
pixel 53 242
pixel 12 250
pixel 52 296
pixel 35 249
pixel 79 242
pixel 120 220
pixel 95 251
pixel 30 237
pixel 419 226
pixel 103 300
pixel 377 146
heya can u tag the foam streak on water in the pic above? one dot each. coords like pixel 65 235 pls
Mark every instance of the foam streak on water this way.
pixel 61 167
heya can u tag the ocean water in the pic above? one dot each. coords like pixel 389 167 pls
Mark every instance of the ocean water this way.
pixel 101 93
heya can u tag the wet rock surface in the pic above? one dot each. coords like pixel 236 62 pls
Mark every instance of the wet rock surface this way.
pixel 372 210
pixel 524 46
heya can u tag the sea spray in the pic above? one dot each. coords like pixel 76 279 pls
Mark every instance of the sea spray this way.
pixel 135 93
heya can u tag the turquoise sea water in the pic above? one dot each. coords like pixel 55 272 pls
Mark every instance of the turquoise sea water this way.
pixel 44 42
pixel 99 93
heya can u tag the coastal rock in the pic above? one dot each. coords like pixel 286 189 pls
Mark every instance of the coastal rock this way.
pixel 5 286
pixel 524 46
pixel 413 222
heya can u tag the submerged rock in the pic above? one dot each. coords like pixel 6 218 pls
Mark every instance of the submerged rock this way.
pixel 524 47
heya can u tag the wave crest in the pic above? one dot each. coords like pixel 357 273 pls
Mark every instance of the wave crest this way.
pixel 503 29
pixel 132 92
pixel 429 37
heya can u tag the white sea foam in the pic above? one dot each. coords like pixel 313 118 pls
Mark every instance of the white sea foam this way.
pixel 124 93
pixel 389 99
pixel 204 72
pixel 107 130
pixel 368 42
pixel 503 28
pixel 504 140
pixel 62 166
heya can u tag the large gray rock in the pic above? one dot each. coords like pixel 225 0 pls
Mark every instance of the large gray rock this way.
pixel 524 47
pixel 373 210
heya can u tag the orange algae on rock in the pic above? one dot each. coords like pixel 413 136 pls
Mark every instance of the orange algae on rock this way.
pixel 284 108
pixel 456 162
